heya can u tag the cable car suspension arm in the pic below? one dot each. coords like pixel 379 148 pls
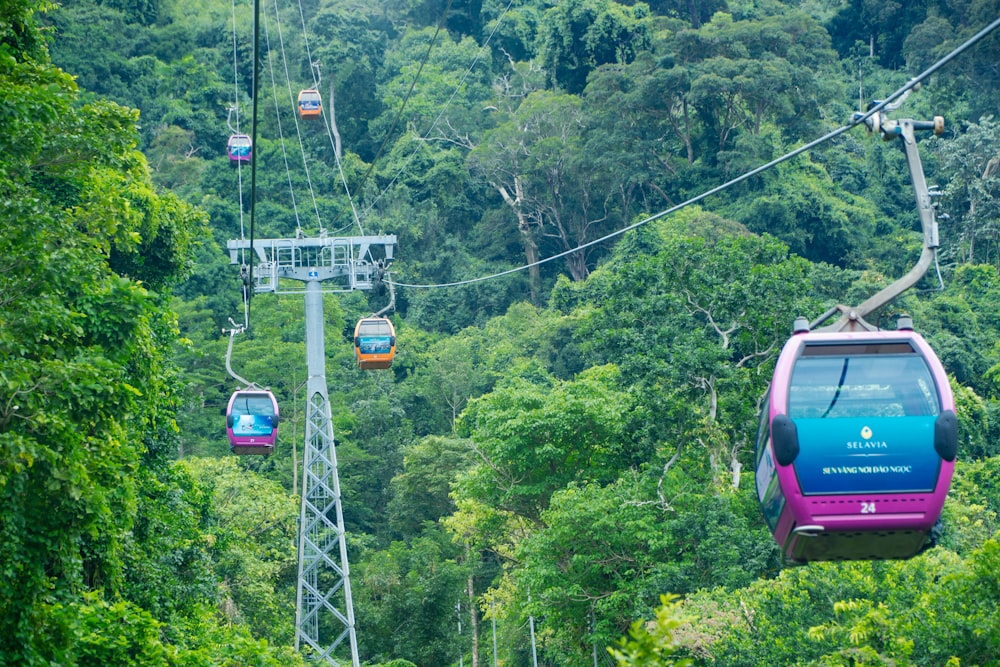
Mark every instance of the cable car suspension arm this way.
pixel 229 352
pixel 904 130
pixel 392 291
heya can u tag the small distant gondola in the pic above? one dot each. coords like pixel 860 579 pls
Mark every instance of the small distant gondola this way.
pixel 239 148
pixel 374 343
pixel 856 445
pixel 252 421
pixel 310 103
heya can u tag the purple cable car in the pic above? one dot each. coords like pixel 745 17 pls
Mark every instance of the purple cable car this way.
pixel 252 421
pixel 239 148
pixel 856 445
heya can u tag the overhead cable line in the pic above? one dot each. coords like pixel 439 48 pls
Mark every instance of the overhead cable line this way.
pixel 314 70
pixel 444 107
pixel 253 142
pixel 406 99
pixel 298 131
pixel 239 168
pixel 340 165
pixel 857 120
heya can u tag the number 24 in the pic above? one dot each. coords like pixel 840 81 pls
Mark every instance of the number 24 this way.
pixel 868 508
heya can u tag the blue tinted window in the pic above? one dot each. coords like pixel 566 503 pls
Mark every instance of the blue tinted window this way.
pixel 862 385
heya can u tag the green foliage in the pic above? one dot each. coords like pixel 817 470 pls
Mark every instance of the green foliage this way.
pixel 916 612
pixel 249 531
pixel 652 644
pixel 168 568
pixel 693 321
pixel 975 487
pixel 82 363
pixel 603 553
pixel 576 37
pixel 973 191
pixel 807 210
pixel 105 559
pixel 535 438
pixel 406 596
pixel 587 456
pixel 103 633
pixel 421 492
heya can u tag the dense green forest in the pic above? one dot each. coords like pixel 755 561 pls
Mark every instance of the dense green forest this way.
pixel 561 458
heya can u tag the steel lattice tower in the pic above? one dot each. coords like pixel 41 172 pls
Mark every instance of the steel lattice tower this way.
pixel 324 610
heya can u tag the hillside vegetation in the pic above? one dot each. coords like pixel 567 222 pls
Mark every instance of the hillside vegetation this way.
pixel 561 458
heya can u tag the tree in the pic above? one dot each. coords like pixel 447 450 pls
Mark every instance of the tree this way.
pixel 535 162
pixel 532 439
pixel 651 644
pixel 745 72
pixel 604 554
pixel 421 492
pixel 81 355
pixel 250 530
pixel 405 599
pixel 693 322
pixel 578 36
pixel 806 209
pixel 641 128
pixel 87 396
pixel 972 195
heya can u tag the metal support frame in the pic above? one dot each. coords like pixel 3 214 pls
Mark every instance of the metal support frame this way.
pixel 344 263
pixel 852 319
pixel 324 609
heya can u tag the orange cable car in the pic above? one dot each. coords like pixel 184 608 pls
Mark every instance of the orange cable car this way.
pixel 310 103
pixel 374 343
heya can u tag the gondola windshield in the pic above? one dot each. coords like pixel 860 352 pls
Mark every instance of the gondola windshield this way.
pixel 310 102
pixel 865 421
pixel 375 337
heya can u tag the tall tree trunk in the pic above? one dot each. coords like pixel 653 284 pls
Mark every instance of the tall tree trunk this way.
pixel 531 255
pixel 525 227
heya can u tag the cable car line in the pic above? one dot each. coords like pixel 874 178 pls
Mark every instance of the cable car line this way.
pixel 239 174
pixel 298 130
pixel 253 142
pixel 340 165
pixel 444 107
pixel 313 69
pixel 858 119
pixel 413 84
pixel 656 216
pixel 277 113
pixel 327 125
pixel 252 412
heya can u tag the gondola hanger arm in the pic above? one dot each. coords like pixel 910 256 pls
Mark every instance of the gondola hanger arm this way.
pixel 392 294
pixel 852 318
pixel 229 353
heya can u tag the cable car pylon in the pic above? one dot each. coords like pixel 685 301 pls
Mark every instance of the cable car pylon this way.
pixel 324 609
